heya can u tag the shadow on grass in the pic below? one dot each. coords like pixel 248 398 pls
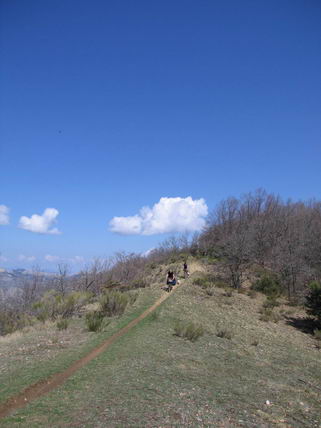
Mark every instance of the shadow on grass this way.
pixel 306 325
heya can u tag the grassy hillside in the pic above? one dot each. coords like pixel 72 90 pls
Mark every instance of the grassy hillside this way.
pixel 241 372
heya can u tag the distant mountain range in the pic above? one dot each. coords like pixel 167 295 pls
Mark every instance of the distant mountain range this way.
pixel 16 277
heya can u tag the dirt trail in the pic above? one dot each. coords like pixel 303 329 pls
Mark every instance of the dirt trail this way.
pixel 44 386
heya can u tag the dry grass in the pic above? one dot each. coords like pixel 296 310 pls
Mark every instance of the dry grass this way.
pixel 150 378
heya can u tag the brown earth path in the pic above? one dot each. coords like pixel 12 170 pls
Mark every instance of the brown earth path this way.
pixel 42 387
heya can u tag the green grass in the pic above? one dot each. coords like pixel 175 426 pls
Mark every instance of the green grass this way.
pixel 149 377
pixel 23 362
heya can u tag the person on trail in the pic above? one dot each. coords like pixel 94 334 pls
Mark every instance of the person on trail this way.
pixel 186 273
pixel 170 280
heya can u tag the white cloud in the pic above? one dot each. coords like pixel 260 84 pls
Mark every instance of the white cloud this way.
pixel 4 215
pixel 57 259
pixel 41 223
pixel 168 215
pixel 52 259
pixel 3 259
pixel 24 258
pixel 77 259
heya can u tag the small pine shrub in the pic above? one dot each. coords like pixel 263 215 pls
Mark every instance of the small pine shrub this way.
pixel 268 315
pixel 268 286
pixel 138 283
pixel 114 303
pixel 53 305
pixel 154 316
pixel 188 330
pixel 94 320
pixel 317 334
pixel 205 281
pixel 228 293
pixel 221 284
pixel 62 324
pixel 210 291
pixel 270 302
pixel 12 320
pixel 224 334
pixel 294 301
pixel 313 300
pixel 252 294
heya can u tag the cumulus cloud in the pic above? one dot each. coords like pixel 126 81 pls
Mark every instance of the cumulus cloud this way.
pixel 24 258
pixel 77 259
pixel 41 223
pixel 4 215
pixel 167 215
pixel 52 259
pixel 57 259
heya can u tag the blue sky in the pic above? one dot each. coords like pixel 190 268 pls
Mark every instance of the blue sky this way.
pixel 107 107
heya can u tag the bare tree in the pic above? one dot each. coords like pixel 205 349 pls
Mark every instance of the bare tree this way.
pixel 61 279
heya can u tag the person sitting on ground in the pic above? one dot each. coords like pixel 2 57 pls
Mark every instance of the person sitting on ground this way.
pixel 170 279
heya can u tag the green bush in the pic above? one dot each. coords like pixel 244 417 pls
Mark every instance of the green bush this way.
pixel 317 334
pixel 188 330
pixel 154 316
pixel 270 302
pixel 313 300
pixel 114 303
pixel 53 305
pixel 268 286
pixel 138 283
pixel 94 320
pixel 208 281
pixel 252 293
pixel 224 334
pixel 12 320
pixel 62 324
pixel 267 314
pixel 228 293
pixel 210 291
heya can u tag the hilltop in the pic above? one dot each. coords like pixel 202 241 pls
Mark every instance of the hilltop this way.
pixel 245 369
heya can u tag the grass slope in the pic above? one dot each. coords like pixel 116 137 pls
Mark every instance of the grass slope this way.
pixel 152 378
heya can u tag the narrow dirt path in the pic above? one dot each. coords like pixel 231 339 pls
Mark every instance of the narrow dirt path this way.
pixel 42 387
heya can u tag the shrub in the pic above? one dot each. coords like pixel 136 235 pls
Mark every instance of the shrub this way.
pixel 138 283
pixel 317 334
pixel 52 305
pixel 268 286
pixel 294 301
pixel 270 302
pixel 94 320
pixel 62 324
pixel 188 330
pixel 221 284
pixel 12 320
pixel 228 293
pixel 210 291
pixel 252 293
pixel 313 300
pixel 154 316
pixel 114 303
pixel 209 281
pixel 267 314
pixel 224 334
